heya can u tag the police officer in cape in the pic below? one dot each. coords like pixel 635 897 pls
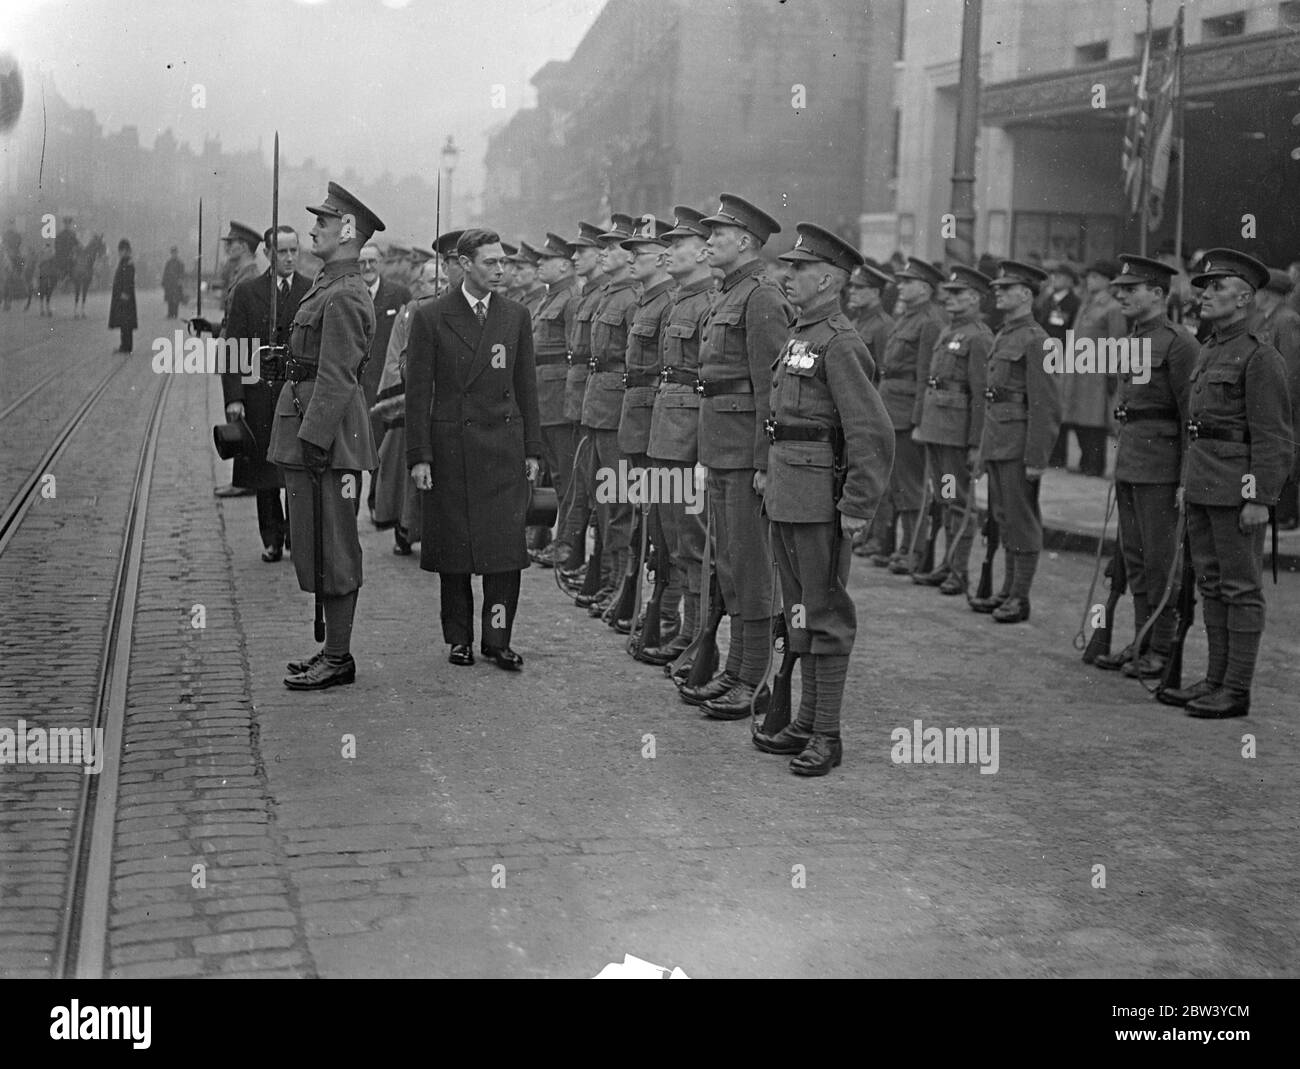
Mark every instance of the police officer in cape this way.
pixel 321 438
pixel 832 445
pixel 948 420
pixel 1021 420
pixel 1152 416
pixel 1238 454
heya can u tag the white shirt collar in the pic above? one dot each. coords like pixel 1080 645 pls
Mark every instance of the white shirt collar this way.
pixel 472 300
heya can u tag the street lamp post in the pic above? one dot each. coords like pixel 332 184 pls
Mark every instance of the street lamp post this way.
pixel 450 156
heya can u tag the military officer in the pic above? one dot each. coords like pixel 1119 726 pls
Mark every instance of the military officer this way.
pixel 743 336
pixel 573 523
pixel 552 321
pixel 1021 420
pixel 1238 455
pixel 644 363
pixel 948 420
pixel 674 422
pixel 1151 417
pixel 828 424
pixel 905 367
pixel 322 437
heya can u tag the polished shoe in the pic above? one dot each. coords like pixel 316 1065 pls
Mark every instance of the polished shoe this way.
pixel 791 739
pixel 503 657
pixel 1114 662
pixel 713 688
pixel 1150 665
pixel 296 668
pixel 1180 696
pixel 822 753
pixel 1012 611
pixel 232 491
pixel 324 673
pixel 954 584
pixel 935 578
pixel 461 654
pixel 1223 703
pixel 733 705
pixel 989 604
pixel 271 554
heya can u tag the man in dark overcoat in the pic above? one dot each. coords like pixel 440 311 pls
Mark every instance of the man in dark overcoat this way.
pixel 474 439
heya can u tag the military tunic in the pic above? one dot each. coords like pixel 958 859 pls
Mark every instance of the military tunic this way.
pixel 904 367
pixel 1238 394
pixel 332 331
pixel 822 399
pixel 1022 416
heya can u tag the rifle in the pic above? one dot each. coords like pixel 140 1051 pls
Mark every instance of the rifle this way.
pixel 1172 679
pixel 1116 572
pixel 984 589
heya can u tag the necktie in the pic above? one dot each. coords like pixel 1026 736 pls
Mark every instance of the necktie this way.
pixel 480 311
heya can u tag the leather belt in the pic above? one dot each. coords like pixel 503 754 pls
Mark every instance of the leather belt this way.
pixel 955 387
pixel 297 371
pixel 898 373
pixel 714 389
pixel 640 378
pixel 997 393
pixel 1196 429
pixel 683 376
pixel 1125 414
pixel 778 433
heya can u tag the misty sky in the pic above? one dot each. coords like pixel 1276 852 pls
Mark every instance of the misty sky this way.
pixel 372 84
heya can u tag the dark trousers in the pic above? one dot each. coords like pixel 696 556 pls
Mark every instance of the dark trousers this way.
pixel 270 518
pixel 500 602
pixel 126 333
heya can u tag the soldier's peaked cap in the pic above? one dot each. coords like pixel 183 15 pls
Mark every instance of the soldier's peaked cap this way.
pixel 921 270
pixel 246 234
pixel 735 211
pixel 961 277
pixel 1139 269
pixel 650 230
pixel 1015 273
pixel 866 275
pixel 556 247
pixel 817 244
pixel 339 202
pixel 445 244
pixel 621 226
pixel 687 223
pixel 588 236
pixel 1226 263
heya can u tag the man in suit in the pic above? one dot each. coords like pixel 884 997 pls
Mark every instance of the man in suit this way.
pixel 321 437
pixel 249 319
pixel 474 442
pixel 388 297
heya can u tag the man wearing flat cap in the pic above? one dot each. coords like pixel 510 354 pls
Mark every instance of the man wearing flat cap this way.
pixel 322 438
pixel 551 325
pixel 949 420
pixel 1239 452
pixel 904 368
pixel 743 336
pixel 1022 416
pixel 832 443
pixel 1152 416
pixel 1279 324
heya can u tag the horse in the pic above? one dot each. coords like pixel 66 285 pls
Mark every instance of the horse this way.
pixel 83 270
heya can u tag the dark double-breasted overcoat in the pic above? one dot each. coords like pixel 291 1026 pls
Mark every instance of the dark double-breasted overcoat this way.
pixel 471 414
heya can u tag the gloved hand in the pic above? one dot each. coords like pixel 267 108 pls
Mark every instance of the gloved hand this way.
pixel 316 459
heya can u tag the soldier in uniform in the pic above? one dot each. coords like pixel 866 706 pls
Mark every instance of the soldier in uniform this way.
pixel 552 320
pixel 826 418
pixel 1021 420
pixel 674 423
pixel 249 319
pixel 1151 417
pixel 574 521
pixel 904 368
pixel 644 364
pixel 321 438
pixel 949 419
pixel 1238 455
pixel 742 338
pixel 602 404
